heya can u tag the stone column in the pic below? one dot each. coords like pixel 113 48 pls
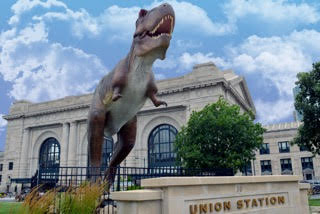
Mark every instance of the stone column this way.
pixel 24 154
pixel 64 144
pixel 72 148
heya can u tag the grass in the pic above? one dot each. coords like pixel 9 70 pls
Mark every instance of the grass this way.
pixel 10 207
pixel 314 202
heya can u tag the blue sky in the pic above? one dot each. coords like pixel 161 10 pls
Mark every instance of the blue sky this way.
pixel 52 48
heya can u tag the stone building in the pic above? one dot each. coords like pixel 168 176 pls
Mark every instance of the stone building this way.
pixel 54 133
pixel 278 157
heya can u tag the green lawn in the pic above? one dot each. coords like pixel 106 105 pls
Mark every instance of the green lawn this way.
pixel 9 207
pixel 314 202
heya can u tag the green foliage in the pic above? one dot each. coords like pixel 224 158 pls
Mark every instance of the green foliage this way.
pixel 134 187
pixel 314 202
pixel 219 136
pixel 307 103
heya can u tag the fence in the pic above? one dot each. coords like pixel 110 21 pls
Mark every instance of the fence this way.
pixel 127 178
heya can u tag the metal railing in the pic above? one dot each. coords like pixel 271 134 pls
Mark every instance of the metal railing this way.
pixel 126 178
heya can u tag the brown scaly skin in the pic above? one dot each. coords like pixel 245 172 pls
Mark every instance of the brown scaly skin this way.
pixel 121 93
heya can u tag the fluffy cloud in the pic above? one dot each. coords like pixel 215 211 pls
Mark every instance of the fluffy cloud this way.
pixel 273 10
pixel 40 70
pixel 3 122
pixel 271 112
pixel 188 60
pixel 190 16
pixel 119 21
pixel 277 60
pixel 23 6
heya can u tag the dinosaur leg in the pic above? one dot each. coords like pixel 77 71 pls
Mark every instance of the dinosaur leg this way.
pixel 96 123
pixel 126 140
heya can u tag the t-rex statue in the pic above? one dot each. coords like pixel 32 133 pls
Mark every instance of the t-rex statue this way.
pixel 121 93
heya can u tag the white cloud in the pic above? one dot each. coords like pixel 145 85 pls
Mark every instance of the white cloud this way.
pixel 272 112
pixel 3 123
pixel 188 44
pixel 160 76
pixel 169 63
pixel 40 70
pixel 188 60
pixel 190 16
pixel 23 6
pixel 277 60
pixel 272 11
pixel 120 21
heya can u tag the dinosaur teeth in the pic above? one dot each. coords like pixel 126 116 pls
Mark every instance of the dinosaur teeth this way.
pixel 166 19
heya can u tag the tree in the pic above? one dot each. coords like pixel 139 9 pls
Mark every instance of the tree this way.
pixel 307 103
pixel 218 137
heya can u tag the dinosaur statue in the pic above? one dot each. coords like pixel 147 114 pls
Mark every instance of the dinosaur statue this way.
pixel 121 93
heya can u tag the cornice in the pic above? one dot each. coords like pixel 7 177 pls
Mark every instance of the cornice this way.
pixel 50 111
pixel 203 84
pixel 237 96
pixel 198 85
pixel 164 109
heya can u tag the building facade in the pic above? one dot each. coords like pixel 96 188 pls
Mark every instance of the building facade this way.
pixel 278 157
pixel 54 133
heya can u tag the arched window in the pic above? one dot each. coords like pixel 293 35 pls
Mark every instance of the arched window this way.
pixel 107 150
pixel 49 154
pixel 160 146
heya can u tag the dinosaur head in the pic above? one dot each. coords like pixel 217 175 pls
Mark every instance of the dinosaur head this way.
pixel 153 31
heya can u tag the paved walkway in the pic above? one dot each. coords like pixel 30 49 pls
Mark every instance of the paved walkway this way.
pixel 7 199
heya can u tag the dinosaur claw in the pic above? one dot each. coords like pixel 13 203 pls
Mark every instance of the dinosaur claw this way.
pixel 115 97
pixel 159 103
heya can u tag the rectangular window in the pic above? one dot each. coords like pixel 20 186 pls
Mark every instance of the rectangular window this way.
pixel 284 147
pixel 304 149
pixel 307 163
pixel 264 149
pixel 10 165
pixel 1 166
pixel 0 178
pixel 247 170
pixel 266 167
pixel 286 166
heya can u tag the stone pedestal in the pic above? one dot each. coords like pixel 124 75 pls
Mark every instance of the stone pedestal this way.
pixel 138 201
pixel 200 195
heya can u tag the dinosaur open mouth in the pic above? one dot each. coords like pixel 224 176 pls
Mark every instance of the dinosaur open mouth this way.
pixel 164 27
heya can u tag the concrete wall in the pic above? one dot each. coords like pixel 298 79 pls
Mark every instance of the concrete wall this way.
pixel 196 195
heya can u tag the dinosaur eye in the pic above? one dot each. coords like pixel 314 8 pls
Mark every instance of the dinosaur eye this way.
pixel 142 13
